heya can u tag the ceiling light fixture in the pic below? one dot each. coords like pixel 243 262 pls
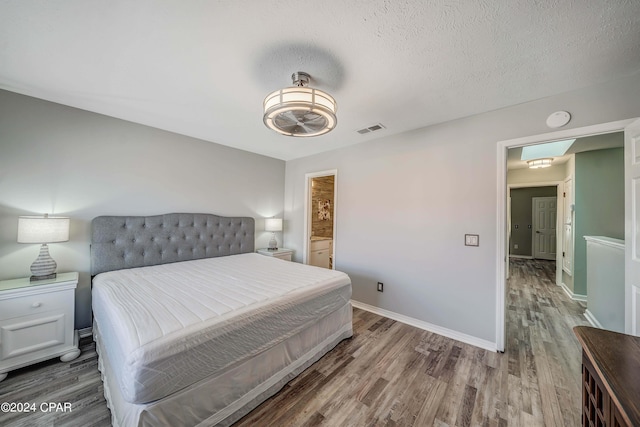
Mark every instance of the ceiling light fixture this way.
pixel 539 163
pixel 300 110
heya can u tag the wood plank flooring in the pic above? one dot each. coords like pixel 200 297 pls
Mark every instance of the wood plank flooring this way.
pixel 388 374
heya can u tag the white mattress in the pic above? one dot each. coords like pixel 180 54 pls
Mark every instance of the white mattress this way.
pixel 167 327
pixel 224 398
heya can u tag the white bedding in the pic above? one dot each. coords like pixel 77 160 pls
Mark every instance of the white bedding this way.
pixel 166 327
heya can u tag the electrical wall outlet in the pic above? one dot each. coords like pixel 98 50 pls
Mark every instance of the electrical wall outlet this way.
pixel 515 246
pixel 380 287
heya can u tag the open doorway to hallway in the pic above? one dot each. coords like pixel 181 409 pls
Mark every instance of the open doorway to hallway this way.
pixel 588 180
pixel 564 270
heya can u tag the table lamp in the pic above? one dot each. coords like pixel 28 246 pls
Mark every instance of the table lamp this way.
pixel 35 229
pixel 273 225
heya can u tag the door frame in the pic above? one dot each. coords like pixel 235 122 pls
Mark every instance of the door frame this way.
pixel 559 190
pixel 307 211
pixel 502 264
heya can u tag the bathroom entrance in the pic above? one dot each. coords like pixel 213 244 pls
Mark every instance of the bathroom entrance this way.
pixel 320 219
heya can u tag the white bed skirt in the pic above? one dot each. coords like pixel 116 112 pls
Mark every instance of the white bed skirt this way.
pixel 224 398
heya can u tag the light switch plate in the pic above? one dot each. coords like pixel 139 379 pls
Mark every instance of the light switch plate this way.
pixel 471 240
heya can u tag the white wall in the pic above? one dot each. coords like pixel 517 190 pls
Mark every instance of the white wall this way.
pixel 64 161
pixel 406 201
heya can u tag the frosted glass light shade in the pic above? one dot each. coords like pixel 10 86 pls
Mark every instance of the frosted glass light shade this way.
pixel 539 163
pixel 36 229
pixel 273 224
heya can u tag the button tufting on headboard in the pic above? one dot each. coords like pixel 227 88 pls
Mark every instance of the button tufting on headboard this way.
pixel 119 242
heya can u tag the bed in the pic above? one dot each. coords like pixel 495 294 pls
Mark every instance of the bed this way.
pixel 192 327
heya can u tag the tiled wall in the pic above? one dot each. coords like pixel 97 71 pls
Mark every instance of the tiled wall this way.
pixel 322 200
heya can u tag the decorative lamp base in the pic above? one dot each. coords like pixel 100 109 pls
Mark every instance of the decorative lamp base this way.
pixel 44 267
pixel 273 243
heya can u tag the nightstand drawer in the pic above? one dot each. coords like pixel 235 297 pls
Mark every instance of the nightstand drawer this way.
pixel 33 304
pixel 36 321
pixel 31 336
pixel 285 256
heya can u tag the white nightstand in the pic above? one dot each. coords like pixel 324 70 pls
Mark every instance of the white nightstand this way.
pixel 37 321
pixel 281 253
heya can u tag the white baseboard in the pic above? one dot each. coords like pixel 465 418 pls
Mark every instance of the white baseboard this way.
pixel 521 256
pixel 575 297
pixel 449 333
pixel 592 319
pixel 85 332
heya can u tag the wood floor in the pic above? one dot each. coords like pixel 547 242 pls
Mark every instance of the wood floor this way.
pixel 388 374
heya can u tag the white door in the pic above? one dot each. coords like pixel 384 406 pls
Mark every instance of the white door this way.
pixel 544 227
pixel 632 227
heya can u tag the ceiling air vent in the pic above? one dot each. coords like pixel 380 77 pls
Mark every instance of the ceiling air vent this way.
pixel 371 129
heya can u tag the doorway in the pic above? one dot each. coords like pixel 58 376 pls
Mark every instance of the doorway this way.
pixel 320 219
pixel 533 221
pixel 502 231
pixel 520 231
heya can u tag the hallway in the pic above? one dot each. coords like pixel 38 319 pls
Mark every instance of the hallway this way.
pixel 544 357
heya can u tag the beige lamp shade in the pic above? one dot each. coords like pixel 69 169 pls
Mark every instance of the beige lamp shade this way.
pixel 273 224
pixel 37 229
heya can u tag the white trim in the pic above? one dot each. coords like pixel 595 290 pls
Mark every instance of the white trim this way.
pixel 575 297
pixel 307 203
pixel 502 263
pixel 85 332
pixel 635 305
pixel 521 256
pixel 449 333
pixel 606 241
pixel 501 240
pixel 582 132
pixel 569 178
pixel 592 319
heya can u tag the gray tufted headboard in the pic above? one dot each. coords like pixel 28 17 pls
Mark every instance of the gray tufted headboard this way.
pixel 119 242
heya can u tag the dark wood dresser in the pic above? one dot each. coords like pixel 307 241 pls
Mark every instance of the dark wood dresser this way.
pixel 610 378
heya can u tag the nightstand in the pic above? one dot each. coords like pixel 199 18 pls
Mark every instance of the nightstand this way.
pixel 281 253
pixel 37 321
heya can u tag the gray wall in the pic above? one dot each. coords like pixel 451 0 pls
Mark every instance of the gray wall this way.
pixel 599 201
pixel 405 201
pixel 65 161
pixel 522 217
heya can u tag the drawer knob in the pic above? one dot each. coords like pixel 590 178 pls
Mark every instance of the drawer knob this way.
pixel 36 304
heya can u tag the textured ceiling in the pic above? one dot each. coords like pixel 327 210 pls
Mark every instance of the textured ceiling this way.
pixel 203 68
